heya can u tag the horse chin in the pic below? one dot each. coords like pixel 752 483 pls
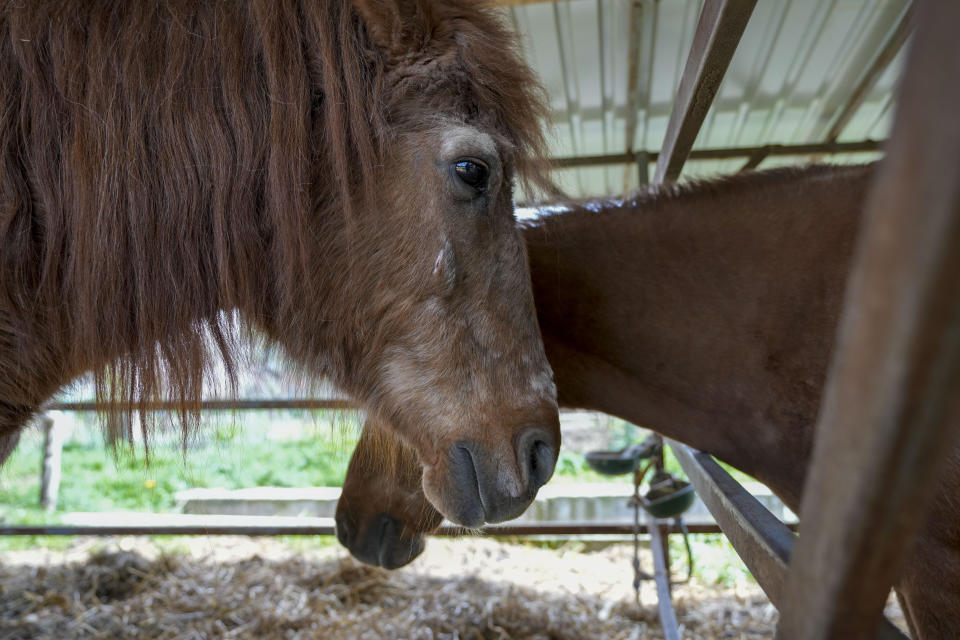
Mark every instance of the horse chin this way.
pixel 459 503
pixel 382 543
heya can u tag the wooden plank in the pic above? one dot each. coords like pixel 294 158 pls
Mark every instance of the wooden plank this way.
pixel 719 29
pixel 661 577
pixel 762 541
pixel 885 56
pixel 633 72
pixel 725 153
pixel 51 470
pixel 891 408
pixel 637 81
pixel 643 168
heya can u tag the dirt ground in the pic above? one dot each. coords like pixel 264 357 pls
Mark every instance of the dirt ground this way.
pixel 467 588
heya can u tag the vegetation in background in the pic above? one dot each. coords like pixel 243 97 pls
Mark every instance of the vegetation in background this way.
pixel 134 478
pixel 261 450
pixel 286 449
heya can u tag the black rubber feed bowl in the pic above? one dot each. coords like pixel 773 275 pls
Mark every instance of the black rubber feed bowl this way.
pixel 613 463
pixel 672 504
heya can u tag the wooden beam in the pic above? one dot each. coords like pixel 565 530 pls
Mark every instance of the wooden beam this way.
pixel 885 56
pixel 891 408
pixel 633 71
pixel 643 168
pixel 761 540
pixel 51 468
pixel 721 25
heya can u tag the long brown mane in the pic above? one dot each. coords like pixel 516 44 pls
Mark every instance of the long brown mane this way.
pixel 166 163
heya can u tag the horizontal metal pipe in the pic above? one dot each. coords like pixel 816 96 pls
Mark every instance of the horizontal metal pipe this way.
pixel 519 530
pixel 824 148
pixel 208 405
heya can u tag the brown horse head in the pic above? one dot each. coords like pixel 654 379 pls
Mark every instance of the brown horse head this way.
pixel 339 172
pixel 446 348
pixel 383 515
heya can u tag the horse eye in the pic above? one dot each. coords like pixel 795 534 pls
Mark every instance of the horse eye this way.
pixel 473 173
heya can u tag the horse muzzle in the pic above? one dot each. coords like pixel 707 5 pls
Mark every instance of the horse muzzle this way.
pixel 381 543
pixel 482 488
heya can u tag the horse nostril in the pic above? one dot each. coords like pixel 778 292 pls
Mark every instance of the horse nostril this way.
pixel 542 460
pixel 344 530
pixel 537 450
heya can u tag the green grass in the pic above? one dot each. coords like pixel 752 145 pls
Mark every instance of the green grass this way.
pixel 715 562
pixel 96 478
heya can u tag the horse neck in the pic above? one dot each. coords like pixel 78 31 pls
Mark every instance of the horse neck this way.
pixel 706 313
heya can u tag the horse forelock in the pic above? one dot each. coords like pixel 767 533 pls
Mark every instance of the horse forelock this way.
pixel 471 64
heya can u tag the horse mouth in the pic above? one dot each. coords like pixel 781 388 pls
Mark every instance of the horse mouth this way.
pixel 477 492
pixel 466 507
pixel 382 543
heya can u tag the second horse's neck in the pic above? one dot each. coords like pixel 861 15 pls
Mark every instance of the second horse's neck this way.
pixel 705 312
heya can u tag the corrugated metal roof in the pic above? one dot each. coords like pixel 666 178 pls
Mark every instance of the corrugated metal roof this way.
pixel 796 67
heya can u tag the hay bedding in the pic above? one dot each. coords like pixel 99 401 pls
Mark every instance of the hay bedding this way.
pixel 240 588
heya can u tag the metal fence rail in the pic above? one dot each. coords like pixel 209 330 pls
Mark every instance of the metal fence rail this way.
pixel 500 531
pixel 211 405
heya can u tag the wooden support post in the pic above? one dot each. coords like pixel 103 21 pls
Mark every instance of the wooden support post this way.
pixel 891 409
pixel 633 72
pixel 721 25
pixel 756 158
pixel 643 168
pixel 661 576
pixel 634 85
pixel 50 471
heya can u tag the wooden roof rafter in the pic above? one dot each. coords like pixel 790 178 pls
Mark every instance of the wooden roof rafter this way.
pixel 891 47
pixel 721 25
